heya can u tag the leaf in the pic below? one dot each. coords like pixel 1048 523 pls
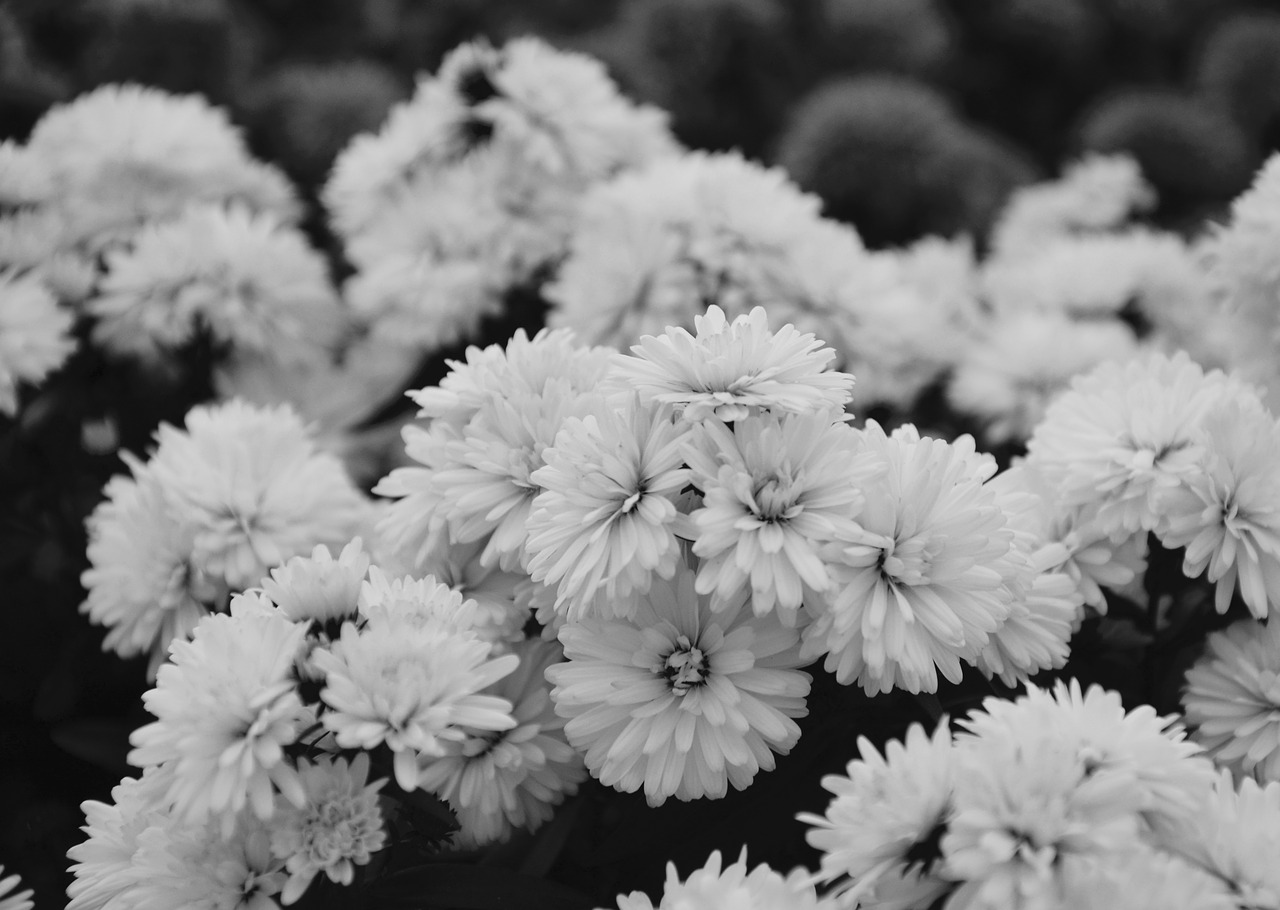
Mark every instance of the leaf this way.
pixel 460 887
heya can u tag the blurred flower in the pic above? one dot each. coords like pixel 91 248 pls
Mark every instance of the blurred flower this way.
pixel 719 887
pixel 1141 879
pixel 102 865
pixel 679 699
pixel 1232 698
pixel 18 900
pixel 35 335
pixel 338 827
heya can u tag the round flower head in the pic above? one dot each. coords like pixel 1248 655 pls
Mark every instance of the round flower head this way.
pixel 10 898
pixel 927 575
pixel 1232 698
pixel 225 708
pixel 880 835
pixel 497 782
pixel 411 685
pixel 1126 435
pixel 338 828
pixel 679 699
pixel 604 522
pixel 733 370
pixel 775 489
pixel 1228 518
pixel 733 887
pixel 34 335
pixel 319 589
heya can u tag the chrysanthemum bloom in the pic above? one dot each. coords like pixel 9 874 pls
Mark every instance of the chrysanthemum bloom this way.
pixel 880 835
pixel 500 781
pixel 226 706
pixel 1126 435
pixel 1228 516
pixel 680 699
pixel 416 601
pixel 338 828
pixel 252 487
pixel 34 335
pixel 252 282
pixel 319 589
pixel 1141 879
pixel 1232 698
pixel 775 490
pixel 928 574
pixel 733 887
pixel 18 900
pixel 733 370
pixel 500 612
pixel 604 523
pixel 410 685
pixel 102 865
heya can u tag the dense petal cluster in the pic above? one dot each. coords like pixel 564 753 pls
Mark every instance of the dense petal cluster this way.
pixel 736 886
pixel 34 335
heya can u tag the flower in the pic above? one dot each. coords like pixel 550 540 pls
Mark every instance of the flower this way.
pixel 410 685
pixel 1142 879
pixel 497 781
pixel 880 834
pixel 34 335
pixel 775 489
pixel 605 520
pixel 501 614
pixel 226 706
pixel 735 369
pixel 1232 698
pixel 927 575
pixel 732 887
pixel 319 589
pixel 679 699
pixel 338 828
pixel 1229 517
pixel 18 900
pixel 420 602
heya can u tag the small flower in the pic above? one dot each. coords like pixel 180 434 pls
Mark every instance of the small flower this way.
pixel 680 699
pixel 419 602
pixel 338 828
pixel 732 887
pixel 34 335
pixel 733 370
pixel 1232 698
pixel 318 588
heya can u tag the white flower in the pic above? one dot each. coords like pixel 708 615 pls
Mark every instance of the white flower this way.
pixel 1232 698
pixel 1141 879
pixel 34 335
pixel 338 828
pixel 880 834
pixel 680 700
pixel 604 523
pixel 18 900
pixel 226 706
pixel 498 781
pixel 775 489
pixel 419 602
pixel 733 887
pixel 927 575
pixel 1229 517
pixel 735 369
pixel 319 589
pixel 410 685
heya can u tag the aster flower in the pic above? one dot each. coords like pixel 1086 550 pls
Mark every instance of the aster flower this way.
pixel 319 589
pixel 498 781
pixel 338 828
pixel 1229 516
pixel 733 887
pixel 410 685
pixel 880 834
pixel 775 489
pixel 680 700
pixel 604 523
pixel 17 900
pixel 1232 697
pixel 416 601
pixel 226 706
pixel 735 369
pixel 34 335
pixel 927 575
pixel 501 613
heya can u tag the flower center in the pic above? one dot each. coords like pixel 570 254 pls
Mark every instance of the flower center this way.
pixel 773 499
pixel 685 667
pixel 910 562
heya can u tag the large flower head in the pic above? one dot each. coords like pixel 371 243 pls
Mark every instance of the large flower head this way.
pixel 1232 698
pixel 927 575
pixel 736 886
pixel 680 700
pixel 34 335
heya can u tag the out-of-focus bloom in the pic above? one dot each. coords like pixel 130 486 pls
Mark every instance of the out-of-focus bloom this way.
pixel 733 887
pixel 17 900
pixel 34 335
pixel 735 369
pixel 318 588
pixel 500 781
pixel 928 574
pixel 226 706
pixel 880 835
pixel 1228 516
pixel 603 524
pixel 1141 879
pixel 410 685
pixel 102 865
pixel 1232 698
pixel 338 828
pixel 680 700
pixel 775 490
